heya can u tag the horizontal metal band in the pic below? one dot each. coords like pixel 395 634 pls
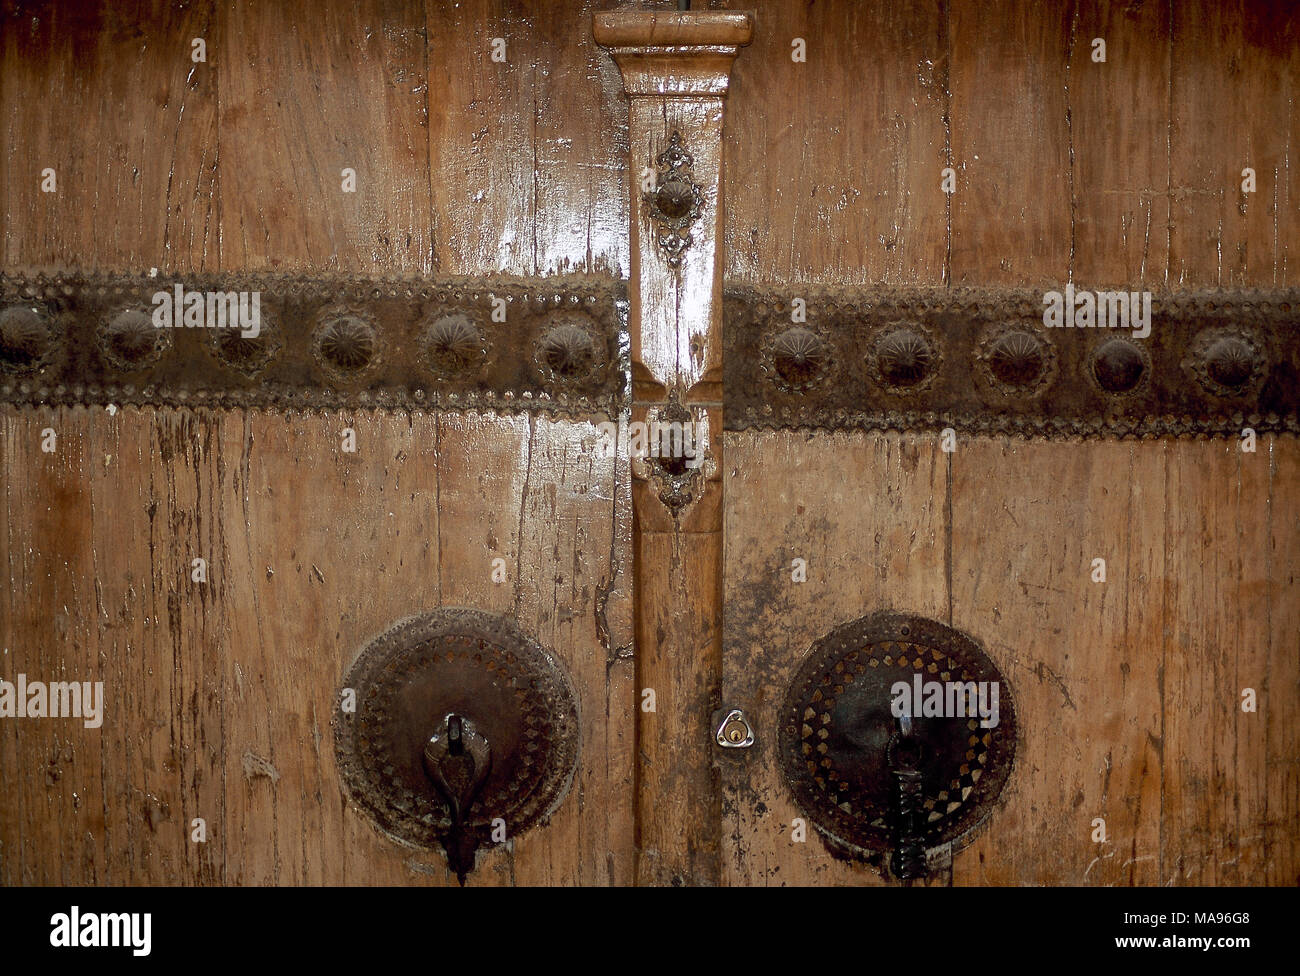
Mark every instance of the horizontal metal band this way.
pixel 986 362
pixel 555 345
pixel 979 361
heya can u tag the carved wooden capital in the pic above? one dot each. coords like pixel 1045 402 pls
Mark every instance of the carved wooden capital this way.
pixel 669 54
pixel 676 69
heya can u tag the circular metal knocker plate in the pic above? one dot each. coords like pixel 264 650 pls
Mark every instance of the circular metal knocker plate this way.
pixel 456 708
pixel 842 739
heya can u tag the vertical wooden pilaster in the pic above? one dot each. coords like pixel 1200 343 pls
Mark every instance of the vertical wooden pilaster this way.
pixel 676 70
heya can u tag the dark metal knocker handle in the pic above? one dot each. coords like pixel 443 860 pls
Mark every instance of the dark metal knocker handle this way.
pixel 457 760
pixel 908 859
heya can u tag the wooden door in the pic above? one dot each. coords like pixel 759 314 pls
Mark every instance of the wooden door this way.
pixel 221 695
pixel 399 164
pixel 1130 694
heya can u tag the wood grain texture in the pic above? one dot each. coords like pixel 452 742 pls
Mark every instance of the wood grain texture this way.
pixel 580 125
pixel 675 315
pixel 1123 172
pixel 1010 144
pixel 1118 130
pixel 1218 643
pixel 679 651
pixel 867 513
pixel 49 590
pixel 1081 657
pixel 1235 77
pixel 1282 669
pixel 219 696
pixel 676 69
pixel 527 154
pixel 106 95
pixel 1127 692
pixel 835 162
pixel 304 97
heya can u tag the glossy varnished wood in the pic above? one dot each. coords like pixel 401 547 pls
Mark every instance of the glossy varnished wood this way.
pixel 528 154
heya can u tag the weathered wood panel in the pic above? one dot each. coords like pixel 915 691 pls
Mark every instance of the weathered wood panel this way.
pixel 527 149
pixel 1118 132
pixel 1217 644
pixel 1130 690
pixel 1281 773
pixel 834 163
pixel 219 695
pixel 1084 659
pixel 1124 172
pixel 1235 72
pixel 867 514
pixel 106 95
pixel 49 600
pixel 305 96
pixel 1010 143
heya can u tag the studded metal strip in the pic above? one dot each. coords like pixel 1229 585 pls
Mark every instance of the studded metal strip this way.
pixel 904 359
pixel 320 343
pixel 983 362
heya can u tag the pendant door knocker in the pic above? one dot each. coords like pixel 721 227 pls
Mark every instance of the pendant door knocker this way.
pixel 897 736
pixel 462 731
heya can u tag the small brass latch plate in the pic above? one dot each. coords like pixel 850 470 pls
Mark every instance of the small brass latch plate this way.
pixel 733 730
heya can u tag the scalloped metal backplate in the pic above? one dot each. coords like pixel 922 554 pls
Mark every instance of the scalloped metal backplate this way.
pixel 478 665
pixel 837 727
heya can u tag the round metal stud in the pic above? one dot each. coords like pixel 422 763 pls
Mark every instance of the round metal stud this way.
pixel 248 354
pixel 454 346
pixel 904 358
pixel 129 340
pixel 27 338
pixel 674 199
pixel 569 352
pixel 1119 365
pixel 1227 361
pixel 1230 362
pixel 1017 360
pixel 799 359
pixel 346 344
